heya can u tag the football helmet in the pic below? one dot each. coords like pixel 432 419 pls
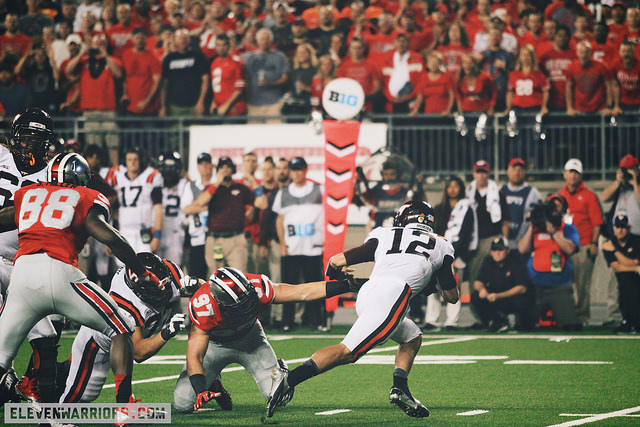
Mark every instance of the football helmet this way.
pixel 420 213
pixel 31 134
pixel 70 168
pixel 233 292
pixel 162 268
pixel 170 166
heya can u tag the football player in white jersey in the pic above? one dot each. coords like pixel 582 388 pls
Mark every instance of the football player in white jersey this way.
pixel 157 318
pixel 139 189
pixel 408 257
pixel 23 162
pixel 173 232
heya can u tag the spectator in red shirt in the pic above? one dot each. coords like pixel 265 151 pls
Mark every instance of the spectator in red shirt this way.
pixel 419 39
pixel 618 28
pixel 456 44
pixel 358 68
pixel 549 28
pixel 603 49
pixel 143 72
pixel 69 83
pixel 326 73
pixel 13 44
pixel 534 34
pixel 381 43
pixel 475 20
pixel 475 91
pixel 633 25
pixel 107 20
pixel 527 95
pixel 436 87
pixel 586 214
pixel 588 83
pixel 528 88
pixel 227 81
pixel 626 78
pixel 554 63
pixel 120 33
pixel 401 73
pixel 196 15
pixel 97 93
pixel 581 32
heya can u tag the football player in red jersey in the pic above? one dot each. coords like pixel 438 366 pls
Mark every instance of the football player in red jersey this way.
pixel 226 330
pixel 23 162
pixel 54 219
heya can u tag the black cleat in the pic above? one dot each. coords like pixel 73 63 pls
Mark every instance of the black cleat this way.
pixel 224 399
pixel 8 382
pixel 409 405
pixel 281 393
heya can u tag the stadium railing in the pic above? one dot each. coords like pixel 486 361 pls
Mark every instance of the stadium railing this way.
pixel 431 142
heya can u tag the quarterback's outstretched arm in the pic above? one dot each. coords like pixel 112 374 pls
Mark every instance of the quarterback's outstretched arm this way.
pixel 313 290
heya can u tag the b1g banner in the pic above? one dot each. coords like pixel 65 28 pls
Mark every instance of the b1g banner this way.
pixel 340 151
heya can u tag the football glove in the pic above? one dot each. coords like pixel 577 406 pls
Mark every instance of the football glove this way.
pixel 149 277
pixel 173 326
pixel 203 398
pixel 333 273
pixel 188 285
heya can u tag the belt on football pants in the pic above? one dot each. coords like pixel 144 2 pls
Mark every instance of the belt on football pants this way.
pixel 224 234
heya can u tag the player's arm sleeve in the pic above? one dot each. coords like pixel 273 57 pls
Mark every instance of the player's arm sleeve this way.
pixel 156 195
pixel 445 274
pixel 7 219
pixel 363 253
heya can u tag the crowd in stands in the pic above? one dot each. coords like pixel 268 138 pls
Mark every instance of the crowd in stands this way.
pixel 267 57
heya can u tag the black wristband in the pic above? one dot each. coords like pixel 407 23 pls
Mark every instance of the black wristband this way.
pixel 332 272
pixel 198 382
pixel 336 287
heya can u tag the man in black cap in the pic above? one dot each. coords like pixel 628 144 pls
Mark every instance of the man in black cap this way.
pixel 300 228
pixel 197 221
pixel 225 203
pixel 622 253
pixel 501 289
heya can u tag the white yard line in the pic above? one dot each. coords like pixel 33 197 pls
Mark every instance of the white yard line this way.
pixel 594 415
pixel 556 362
pixel 476 412
pixel 598 417
pixel 333 412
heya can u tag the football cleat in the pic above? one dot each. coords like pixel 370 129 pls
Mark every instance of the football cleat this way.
pixel 280 390
pixel 27 389
pixel 408 404
pixel 223 398
pixel 8 383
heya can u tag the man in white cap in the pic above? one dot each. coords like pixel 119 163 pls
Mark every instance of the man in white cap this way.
pixel 586 214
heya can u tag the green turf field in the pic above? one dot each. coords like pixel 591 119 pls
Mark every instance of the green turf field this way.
pixel 498 380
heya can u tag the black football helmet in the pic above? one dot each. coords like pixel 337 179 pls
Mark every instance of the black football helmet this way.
pixel 31 134
pixel 233 292
pixel 170 166
pixel 162 268
pixel 70 168
pixel 420 213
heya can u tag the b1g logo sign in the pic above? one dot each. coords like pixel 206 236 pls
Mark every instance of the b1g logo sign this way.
pixel 343 98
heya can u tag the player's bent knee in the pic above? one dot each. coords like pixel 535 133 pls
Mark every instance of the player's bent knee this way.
pixel 182 405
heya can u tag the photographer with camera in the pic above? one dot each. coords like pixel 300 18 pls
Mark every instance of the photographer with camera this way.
pixel 624 193
pixel 551 242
